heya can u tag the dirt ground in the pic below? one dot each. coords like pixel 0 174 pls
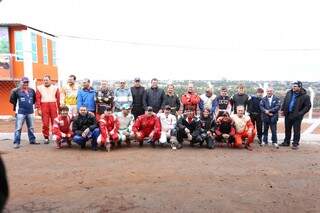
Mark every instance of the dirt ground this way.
pixel 43 179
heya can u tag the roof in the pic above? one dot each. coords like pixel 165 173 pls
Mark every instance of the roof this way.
pixel 23 25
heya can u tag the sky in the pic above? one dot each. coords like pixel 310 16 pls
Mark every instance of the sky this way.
pixel 178 39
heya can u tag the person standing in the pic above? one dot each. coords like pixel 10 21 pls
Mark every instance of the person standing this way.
pixel 240 98
pixel 190 99
pixel 295 105
pixel 23 100
pixel 270 106
pixel 86 96
pixel 47 104
pixel 207 100
pixel 122 95
pixel 104 98
pixel 68 95
pixel 137 92
pixel 154 97
pixel 255 112
pixel 222 103
pixel 172 100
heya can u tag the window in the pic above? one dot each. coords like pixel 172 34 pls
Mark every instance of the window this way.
pixel 45 50
pixel 34 47
pixel 18 45
pixel 54 53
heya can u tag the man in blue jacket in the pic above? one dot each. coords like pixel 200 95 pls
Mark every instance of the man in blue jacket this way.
pixel 270 106
pixel 23 99
pixel 86 96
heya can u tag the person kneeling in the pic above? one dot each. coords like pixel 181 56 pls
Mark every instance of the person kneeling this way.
pixel 224 131
pixel 61 131
pixel 189 127
pixel 126 120
pixel 147 127
pixel 244 129
pixel 109 126
pixel 207 128
pixel 85 128
pixel 168 123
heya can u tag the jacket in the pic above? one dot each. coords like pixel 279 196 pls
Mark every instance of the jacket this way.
pixel 81 123
pixel 23 100
pixel 273 108
pixel 301 107
pixel 86 97
pixel 154 97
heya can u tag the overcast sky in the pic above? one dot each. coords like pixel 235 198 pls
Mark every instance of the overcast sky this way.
pixel 170 39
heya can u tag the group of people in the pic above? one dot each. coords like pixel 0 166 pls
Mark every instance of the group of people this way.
pixel 111 117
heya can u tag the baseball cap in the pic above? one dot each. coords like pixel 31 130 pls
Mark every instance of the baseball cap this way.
pixel 125 106
pixel 24 79
pixel 298 83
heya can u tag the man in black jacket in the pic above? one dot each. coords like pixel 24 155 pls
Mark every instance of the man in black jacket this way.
pixel 295 105
pixel 137 92
pixel 172 100
pixel 85 128
pixel 154 97
pixel 255 112
pixel 189 127
pixel 240 98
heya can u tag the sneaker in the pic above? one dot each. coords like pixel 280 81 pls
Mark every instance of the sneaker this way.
pixel 34 143
pixel 284 144
pixel 46 141
pixel 16 146
pixel 174 147
pixel 275 145
pixel 295 147
pixel 263 144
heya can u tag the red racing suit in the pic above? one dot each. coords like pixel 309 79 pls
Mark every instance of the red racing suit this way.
pixel 109 129
pixel 145 125
pixel 190 99
pixel 48 101
pixel 244 129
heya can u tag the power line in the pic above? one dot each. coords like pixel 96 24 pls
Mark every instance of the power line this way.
pixel 184 46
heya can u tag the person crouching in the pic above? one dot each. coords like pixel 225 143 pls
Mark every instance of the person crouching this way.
pixel 244 129
pixel 147 127
pixel 61 131
pixel 224 130
pixel 207 128
pixel 168 124
pixel 109 127
pixel 189 127
pixel 85 128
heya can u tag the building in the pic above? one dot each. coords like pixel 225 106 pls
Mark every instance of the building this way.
pixel 24 51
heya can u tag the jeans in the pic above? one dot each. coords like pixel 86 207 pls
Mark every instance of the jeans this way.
pixel 93 135
pixel 29 118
